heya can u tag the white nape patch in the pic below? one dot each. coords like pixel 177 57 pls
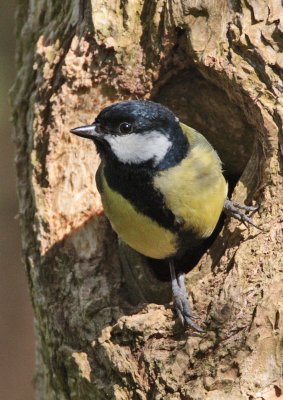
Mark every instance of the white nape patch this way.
pixel 137 148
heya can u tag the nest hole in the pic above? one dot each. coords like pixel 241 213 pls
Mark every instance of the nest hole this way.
pixel 206 107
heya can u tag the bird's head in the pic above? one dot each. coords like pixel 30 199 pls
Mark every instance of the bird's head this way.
pixel 137 132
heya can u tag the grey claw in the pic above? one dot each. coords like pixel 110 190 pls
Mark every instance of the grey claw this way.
pixel 191 324
pixel 233 209
pixel 181 300
pixel 244 207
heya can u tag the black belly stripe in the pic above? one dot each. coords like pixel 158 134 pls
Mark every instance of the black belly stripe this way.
pixel 136 185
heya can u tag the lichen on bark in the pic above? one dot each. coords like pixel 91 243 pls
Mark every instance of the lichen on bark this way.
pixel 218 65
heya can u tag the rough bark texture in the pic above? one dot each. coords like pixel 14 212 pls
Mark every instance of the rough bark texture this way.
pixel 219 66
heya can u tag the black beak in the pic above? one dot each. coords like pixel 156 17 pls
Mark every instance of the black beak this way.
pixel 87 131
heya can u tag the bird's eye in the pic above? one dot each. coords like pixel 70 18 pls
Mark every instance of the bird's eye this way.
pixel 125 127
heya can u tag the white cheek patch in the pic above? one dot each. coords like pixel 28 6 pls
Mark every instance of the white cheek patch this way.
pixel 137 148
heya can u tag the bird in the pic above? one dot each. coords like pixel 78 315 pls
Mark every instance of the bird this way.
pixel 161 185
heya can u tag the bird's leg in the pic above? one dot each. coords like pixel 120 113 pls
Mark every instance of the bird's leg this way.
pixel 181 298
pixel 233 209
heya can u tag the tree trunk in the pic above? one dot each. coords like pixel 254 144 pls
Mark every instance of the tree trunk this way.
pixel 104 325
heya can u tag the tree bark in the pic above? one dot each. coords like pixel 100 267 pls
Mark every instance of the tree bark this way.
pixel 104 325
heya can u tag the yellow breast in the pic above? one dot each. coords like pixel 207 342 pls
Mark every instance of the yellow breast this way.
pixel 195 190
pixel 137 230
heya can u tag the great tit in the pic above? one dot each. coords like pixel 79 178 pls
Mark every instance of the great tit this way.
pixel 161 185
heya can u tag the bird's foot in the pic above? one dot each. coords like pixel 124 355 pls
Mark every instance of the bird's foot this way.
pixel 181 299
pixel 234 209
